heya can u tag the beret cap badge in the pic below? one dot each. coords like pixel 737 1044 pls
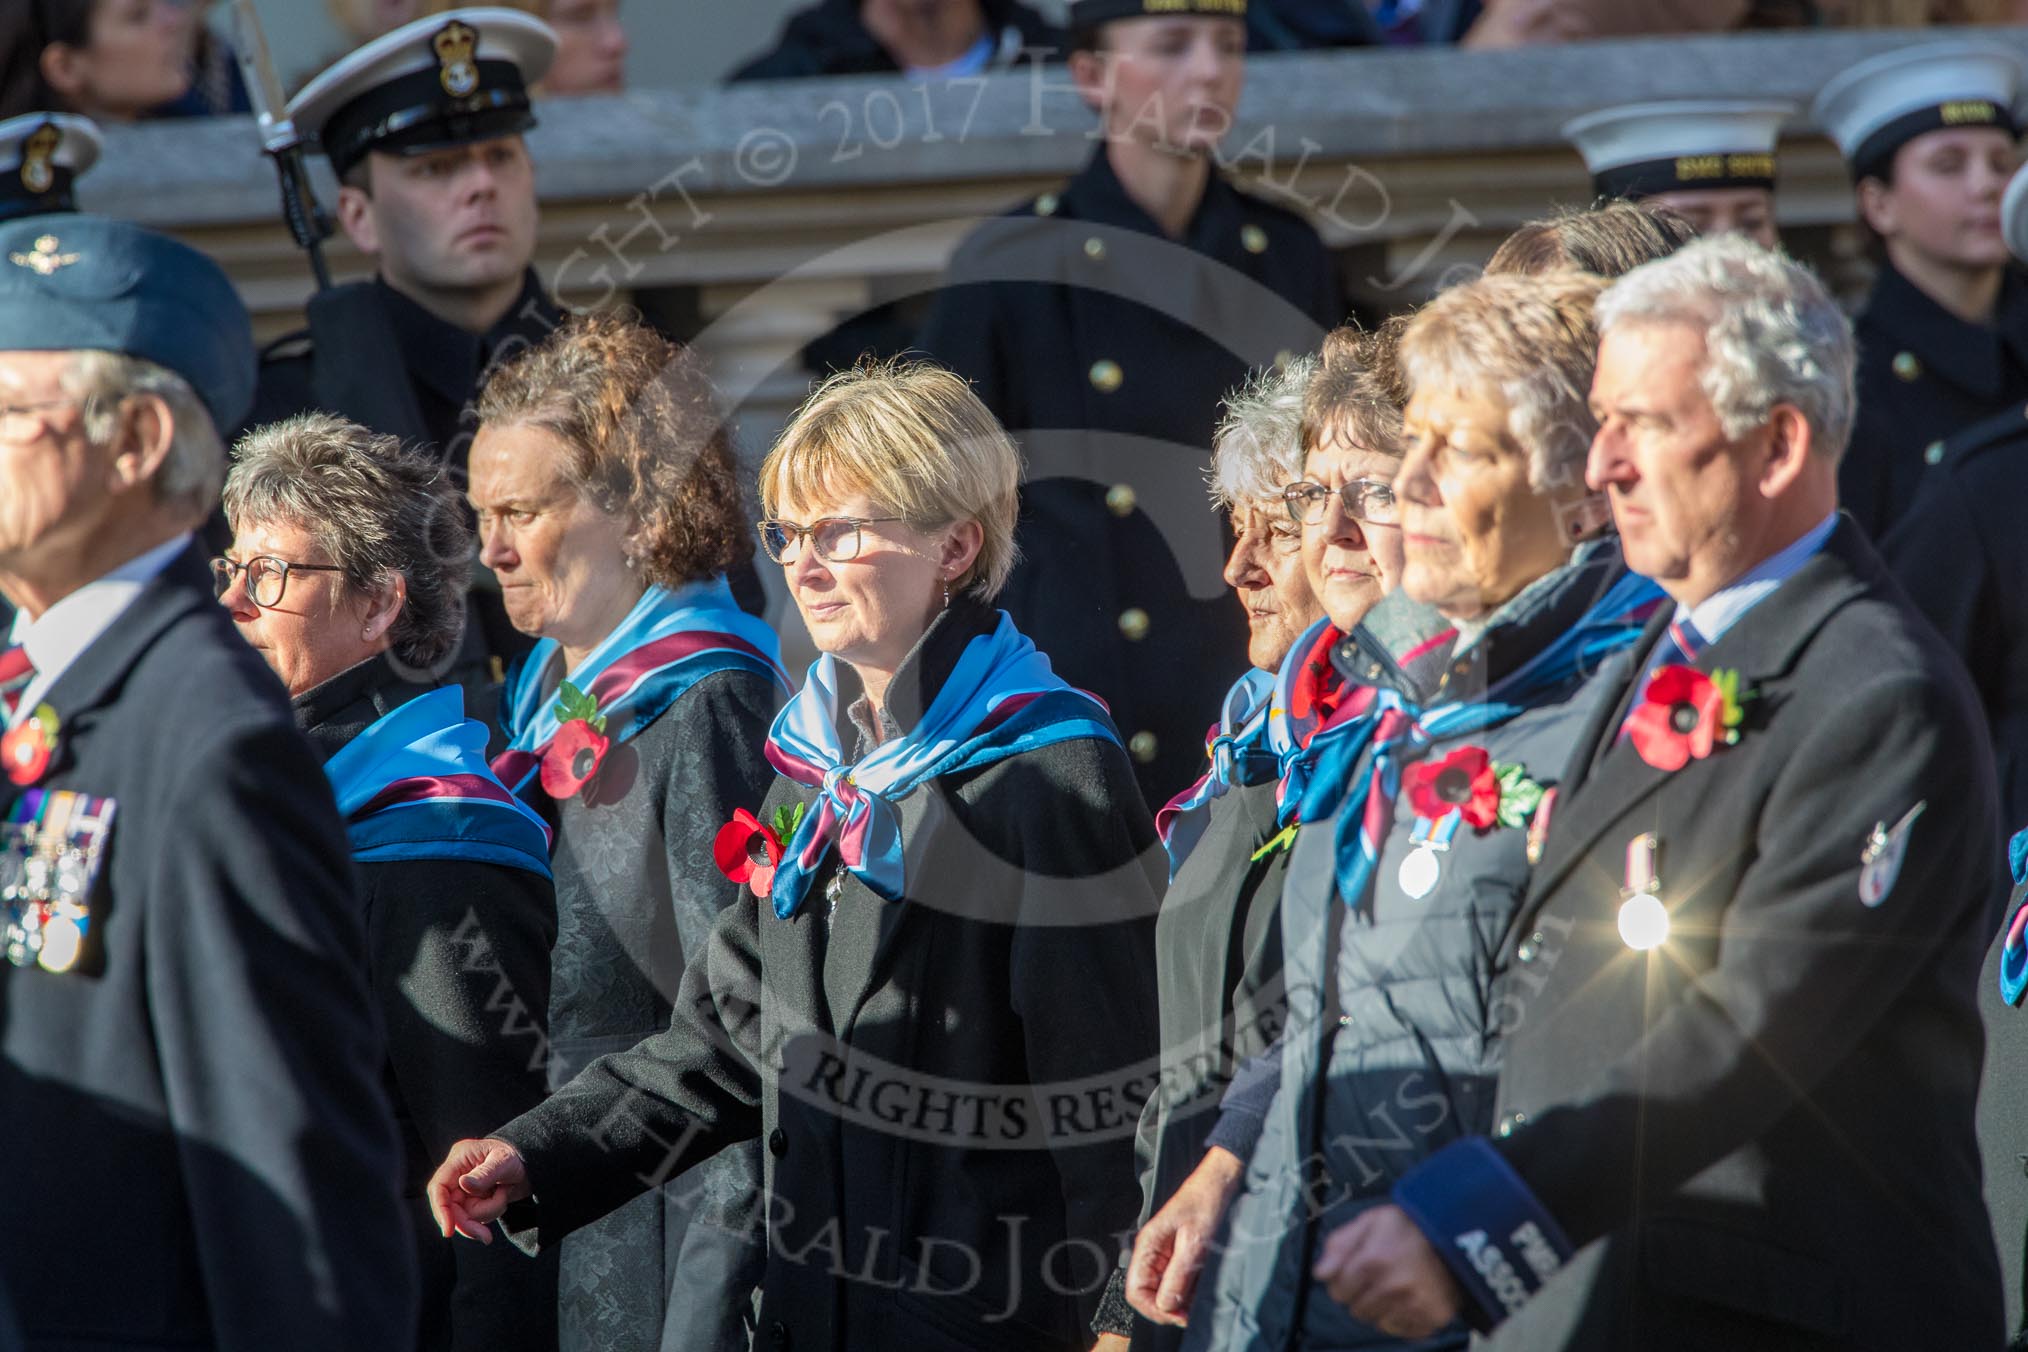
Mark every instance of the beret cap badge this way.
pixel 455 44
pixel 44 258
pixel 38 153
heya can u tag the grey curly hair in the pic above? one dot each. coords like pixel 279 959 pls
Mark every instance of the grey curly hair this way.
pixel 375 509
pixel 1257 450
pixel 1772 333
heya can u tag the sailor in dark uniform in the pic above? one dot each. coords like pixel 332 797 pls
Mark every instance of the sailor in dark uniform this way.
pixel 1943 341
pixel 1962 556
pixel 200 1155
pixel 42 155
pixel 1711 161
pixel 1102 323
pixel 423 128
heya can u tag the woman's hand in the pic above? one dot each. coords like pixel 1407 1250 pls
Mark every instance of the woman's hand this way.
pixel 475 1185
pixel 1171 1248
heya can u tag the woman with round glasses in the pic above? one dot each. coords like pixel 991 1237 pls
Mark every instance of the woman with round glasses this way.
pixel 609 507
pixel 1396 901
pixel 934 999
pixel 1332 494
pixel 347 572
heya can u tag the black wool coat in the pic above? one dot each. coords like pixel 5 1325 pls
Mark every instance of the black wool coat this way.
pixel 1760 1134
pixel 1105 348
pixel 1924 376
pixel 637 895
pixel 457 951
pixel 947 1085
pixel 1963 558
pixel 201 1153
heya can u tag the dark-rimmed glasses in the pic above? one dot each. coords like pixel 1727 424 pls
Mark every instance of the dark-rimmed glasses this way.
pixel 267 577
pixel 1369 500
pixel 836 538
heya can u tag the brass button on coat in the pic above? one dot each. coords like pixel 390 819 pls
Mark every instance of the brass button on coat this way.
pixel 1142 747
pixel 1120 500
pixel 1932 454
pixel 1106 375
pixel 1906 366
pixel 1134 623
pixel 1095 249
pixel 1253 239
pixel 1045 205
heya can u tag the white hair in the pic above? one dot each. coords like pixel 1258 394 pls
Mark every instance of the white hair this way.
pixel 1772 333
pixel 1257 450
pixel 194 469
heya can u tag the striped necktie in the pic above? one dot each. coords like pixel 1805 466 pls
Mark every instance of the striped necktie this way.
pixel 1680 645
pixel 16 672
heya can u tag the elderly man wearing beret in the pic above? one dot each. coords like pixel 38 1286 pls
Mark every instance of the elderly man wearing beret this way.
pixel 198 1153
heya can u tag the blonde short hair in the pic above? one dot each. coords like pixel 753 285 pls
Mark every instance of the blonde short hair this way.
pixel 1531 340
pixel 915 439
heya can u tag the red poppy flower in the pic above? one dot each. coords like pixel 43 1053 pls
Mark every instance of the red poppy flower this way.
pixel 747 851
pixel 574 756
pixel 28 746
pixel 1680 718
pixel 1464 782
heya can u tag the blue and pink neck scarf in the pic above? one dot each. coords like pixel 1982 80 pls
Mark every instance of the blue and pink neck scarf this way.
pixel 1000 700
pixel 1399 732
pixel 671 639
pixel 2014 953
pixel 1237 746
pixel 1304 726
pixel 415 785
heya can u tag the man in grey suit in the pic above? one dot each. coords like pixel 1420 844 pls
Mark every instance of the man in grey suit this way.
pixel 1742 1048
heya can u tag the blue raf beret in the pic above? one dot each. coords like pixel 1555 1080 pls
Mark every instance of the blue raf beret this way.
pixel 71 282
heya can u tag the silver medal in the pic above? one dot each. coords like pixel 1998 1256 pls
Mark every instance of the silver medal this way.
pixel 1420 871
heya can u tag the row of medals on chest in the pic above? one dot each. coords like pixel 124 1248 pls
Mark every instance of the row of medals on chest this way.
pixel 45 876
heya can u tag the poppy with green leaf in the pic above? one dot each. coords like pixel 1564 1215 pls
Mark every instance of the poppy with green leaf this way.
pixel 579 748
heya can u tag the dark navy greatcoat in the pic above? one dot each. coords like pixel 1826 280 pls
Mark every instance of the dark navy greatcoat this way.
pixel 1106 348
pixel 1924 376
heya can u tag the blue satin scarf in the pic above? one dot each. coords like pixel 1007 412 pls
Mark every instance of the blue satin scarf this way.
pixel 415 785
pixel 1000 700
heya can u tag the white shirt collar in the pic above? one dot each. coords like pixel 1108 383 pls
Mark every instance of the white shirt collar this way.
pixel 62 633
pixel 1725 607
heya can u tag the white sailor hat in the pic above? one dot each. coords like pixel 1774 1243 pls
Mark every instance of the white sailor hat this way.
pixel 1641 149
pixel 41 156
pixel 1880 105
pixel 447 80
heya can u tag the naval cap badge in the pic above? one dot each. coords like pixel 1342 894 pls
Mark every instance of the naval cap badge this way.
pixel 455 44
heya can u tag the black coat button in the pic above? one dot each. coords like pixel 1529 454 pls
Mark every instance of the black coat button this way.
pixel 778 1337
pixel 778 1143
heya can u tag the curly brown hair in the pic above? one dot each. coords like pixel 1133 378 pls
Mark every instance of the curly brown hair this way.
pixel 1356 392
pixel 647 443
